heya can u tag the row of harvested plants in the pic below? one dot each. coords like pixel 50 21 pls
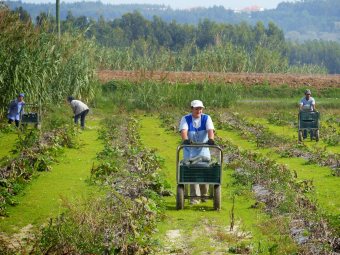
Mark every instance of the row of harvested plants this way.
pixel 289 200
pixel 122 219
pixel 33 152
pixel 283 145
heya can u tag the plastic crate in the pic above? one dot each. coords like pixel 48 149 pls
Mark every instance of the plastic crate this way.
pixel 309 120
pixel 200 174
pixel 30 118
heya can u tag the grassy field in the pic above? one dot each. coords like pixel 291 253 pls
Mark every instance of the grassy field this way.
pixel 197 229
pixel 7 143
pixel 42 199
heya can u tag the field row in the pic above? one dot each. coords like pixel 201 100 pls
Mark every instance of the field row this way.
pixel 326 192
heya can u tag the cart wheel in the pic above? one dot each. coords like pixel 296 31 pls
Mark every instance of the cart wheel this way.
pixel 180 197
pixel 317 135
pixel 300 135
pixel 217 197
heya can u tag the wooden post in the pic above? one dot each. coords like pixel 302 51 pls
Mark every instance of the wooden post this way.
pixel 58 17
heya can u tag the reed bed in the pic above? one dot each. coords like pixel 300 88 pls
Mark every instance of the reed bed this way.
pixel 221 58
pixel 45 68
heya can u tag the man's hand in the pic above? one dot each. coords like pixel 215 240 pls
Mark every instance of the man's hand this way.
pixel 211 142
pixel 186 142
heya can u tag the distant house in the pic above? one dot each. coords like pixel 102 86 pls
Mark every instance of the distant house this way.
pixel 249 9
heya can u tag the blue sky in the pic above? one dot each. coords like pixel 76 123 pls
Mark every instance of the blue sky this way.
pixel 233 4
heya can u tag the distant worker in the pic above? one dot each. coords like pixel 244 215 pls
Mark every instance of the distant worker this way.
pixel 15 109
pixel 197 127
pixel 307 103
pixel 80 110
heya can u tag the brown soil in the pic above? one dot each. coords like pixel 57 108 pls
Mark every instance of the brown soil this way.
pixel 293 80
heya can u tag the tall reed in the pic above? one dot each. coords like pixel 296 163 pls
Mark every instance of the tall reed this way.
pixel 44 68
pixel 220 58
pixel 157 95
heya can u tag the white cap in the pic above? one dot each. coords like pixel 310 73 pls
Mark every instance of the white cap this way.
pixel 197 103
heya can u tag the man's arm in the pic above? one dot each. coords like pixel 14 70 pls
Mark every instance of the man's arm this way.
pixel 184 134
pixel 183 128
pixel 210 128
pixel 211 134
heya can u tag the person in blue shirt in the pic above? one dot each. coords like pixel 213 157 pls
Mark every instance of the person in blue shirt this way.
pixel 307 103
pixel 15 109
pixel 197 127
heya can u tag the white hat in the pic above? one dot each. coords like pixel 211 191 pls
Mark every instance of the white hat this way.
pixel 197 103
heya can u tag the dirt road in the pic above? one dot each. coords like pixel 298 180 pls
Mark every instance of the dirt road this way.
pixel 293 80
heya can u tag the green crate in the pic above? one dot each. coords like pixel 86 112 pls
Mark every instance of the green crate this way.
pixel 309 120
pixel 30 118
pixel 199 174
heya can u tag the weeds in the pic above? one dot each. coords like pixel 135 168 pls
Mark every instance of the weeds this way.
pixel 35 153
pixel 46 69
pixel 124 220
pixel 265 139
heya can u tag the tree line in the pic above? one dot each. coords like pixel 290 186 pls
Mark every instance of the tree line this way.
pixel 136 32
pixel 300 19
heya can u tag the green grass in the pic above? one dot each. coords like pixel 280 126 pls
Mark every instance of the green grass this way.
pixel 42 198
pixel 7 143
pixel 202 215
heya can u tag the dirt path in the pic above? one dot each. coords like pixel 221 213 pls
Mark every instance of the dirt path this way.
pixel 293 80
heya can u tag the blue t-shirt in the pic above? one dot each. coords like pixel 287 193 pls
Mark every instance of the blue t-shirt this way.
pixel 15 109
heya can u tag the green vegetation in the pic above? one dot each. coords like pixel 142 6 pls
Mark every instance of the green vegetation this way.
pixel 33 152
pixel 64 191
pixel 216 236
pixel 152 95
pixel 126 217
pixel 149 95
pixel 43 196
pixel 133 42
pixel 135 171
pixel 44 68
pixel 311 19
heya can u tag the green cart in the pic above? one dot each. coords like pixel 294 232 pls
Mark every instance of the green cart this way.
pixel 31 115
pixel 199 171
pixel 309 122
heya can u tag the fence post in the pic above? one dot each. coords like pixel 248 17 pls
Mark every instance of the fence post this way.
pixel 58 17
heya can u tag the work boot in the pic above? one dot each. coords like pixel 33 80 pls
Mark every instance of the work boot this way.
pixel 194 201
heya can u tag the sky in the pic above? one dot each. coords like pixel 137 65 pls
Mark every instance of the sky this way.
pixel 185 4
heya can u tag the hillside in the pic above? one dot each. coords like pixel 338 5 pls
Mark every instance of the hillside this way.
pixel 309 19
